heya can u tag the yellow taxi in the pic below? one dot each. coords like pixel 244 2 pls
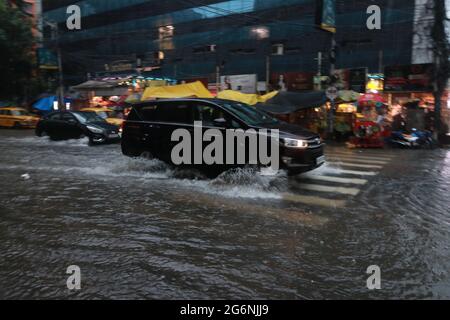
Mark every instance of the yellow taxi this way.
pixel 109 115
pixel 13 117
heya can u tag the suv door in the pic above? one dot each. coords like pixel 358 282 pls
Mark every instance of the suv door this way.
pixel 51 123
pixel 170 116
pixel 69 126
pixel 214 117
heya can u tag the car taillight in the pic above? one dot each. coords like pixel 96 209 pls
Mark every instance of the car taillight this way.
pixel 121 126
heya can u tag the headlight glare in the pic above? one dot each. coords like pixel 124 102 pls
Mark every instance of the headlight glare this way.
pixel 294 143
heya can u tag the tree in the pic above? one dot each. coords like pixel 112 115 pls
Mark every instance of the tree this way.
pixel 16 51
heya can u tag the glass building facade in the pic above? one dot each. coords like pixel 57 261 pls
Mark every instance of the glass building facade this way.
pixel 197 36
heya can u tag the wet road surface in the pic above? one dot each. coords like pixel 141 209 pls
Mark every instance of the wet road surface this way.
pixel 139 230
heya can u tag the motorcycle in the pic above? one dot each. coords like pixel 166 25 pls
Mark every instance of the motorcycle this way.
pixel 415 140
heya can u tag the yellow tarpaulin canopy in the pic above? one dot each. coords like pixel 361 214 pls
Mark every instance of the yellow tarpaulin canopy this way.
pixel 250 99
pixel 194 89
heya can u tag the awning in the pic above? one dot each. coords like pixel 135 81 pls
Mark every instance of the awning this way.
pixel 250 99
pixel 348 96
pixel 289 102
pixel 93 85
pixel 194 89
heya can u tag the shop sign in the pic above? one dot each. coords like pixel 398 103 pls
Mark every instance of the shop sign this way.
pixel 351 79
pixel 245 83
pixel 375 83
pixel 357 80
pixel 408 78
pixel 292 81
pixel 120 66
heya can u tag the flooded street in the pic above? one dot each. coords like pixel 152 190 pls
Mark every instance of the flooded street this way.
pixel 140 230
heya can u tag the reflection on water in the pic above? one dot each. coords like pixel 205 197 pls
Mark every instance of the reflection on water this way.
pixel 139 229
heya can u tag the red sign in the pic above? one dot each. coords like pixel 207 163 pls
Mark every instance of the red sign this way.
pixel 412 78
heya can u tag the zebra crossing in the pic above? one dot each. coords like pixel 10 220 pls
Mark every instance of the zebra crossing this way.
pixel 345 174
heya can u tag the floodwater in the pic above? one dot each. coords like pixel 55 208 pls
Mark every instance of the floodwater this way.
pixel 140 230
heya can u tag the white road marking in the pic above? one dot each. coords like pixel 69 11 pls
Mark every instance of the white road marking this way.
pixel 336 179
pixel 322 188
pixel 346 158
pixel 361 156
pixel 356 165
pixel 342 171
pixel 312 200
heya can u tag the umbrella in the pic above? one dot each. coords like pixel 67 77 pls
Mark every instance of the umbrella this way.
pixel 303 100
pixel 275 108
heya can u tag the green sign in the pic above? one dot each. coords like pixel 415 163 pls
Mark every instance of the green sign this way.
pixel 326 15
pixel 47 59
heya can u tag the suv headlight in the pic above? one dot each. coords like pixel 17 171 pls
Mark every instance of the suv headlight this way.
pixel 94 129
pixel 294 143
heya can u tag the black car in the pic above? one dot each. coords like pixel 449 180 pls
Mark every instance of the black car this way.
pixel 65 125
pixel 149 127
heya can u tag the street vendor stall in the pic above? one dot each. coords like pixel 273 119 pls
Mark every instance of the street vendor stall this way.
pixel 367 128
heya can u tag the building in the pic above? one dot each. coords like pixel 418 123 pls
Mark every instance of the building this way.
pixel 195 37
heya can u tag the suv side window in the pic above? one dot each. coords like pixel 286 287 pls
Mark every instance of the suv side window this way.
pixel 175 112
pixel 55 116
pixel 66 117
pixel 208 113
pixel 171 112
pixel 148 113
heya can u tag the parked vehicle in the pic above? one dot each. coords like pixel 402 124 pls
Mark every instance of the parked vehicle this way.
pixel 12 117
pixel 109 115
pixel 416 139
pixel 64 125
pixel 149 127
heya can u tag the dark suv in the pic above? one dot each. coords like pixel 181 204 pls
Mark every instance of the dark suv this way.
pixel 149 127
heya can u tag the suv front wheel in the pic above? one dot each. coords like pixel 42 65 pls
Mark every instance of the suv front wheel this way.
pixel 131 151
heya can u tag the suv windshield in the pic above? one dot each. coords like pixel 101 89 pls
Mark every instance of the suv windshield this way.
pixel 249 115
pixel 88 117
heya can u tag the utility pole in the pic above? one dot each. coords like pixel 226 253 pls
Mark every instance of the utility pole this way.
pixel 332 90
pixel 319 70
pixel 60 91
pixel 267 72
pixel 218 78
pixel 333 55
